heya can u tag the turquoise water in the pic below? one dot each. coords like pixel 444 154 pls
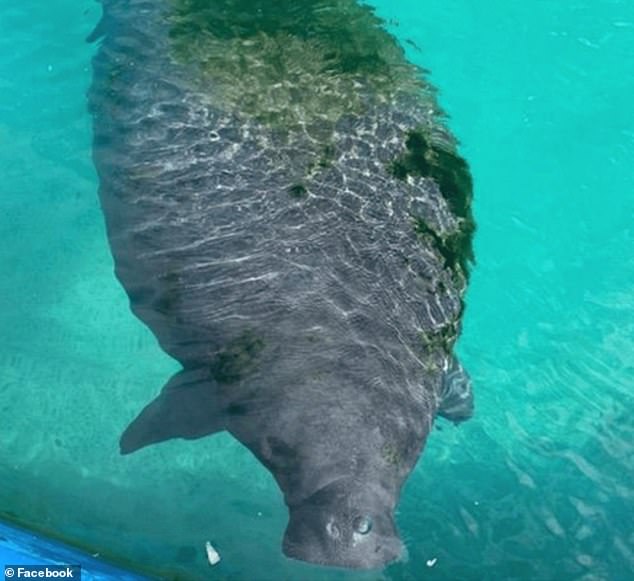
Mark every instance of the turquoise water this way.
pixel 537 486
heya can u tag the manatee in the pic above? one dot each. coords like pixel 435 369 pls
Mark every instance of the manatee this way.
pixel 290 216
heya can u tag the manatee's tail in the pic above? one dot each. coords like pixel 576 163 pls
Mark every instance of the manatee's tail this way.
pixel 186 408
pixel 457 394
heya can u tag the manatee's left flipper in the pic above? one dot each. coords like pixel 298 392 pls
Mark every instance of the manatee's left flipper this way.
pixel 188 407
pixel 456 395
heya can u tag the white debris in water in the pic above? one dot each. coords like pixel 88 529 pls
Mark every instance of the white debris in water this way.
pixel 212 555
pixel 431 562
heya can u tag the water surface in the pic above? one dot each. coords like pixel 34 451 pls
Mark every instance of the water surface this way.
pixel 536 486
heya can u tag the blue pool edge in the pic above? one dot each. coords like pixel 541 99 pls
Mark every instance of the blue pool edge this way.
pixel 19 546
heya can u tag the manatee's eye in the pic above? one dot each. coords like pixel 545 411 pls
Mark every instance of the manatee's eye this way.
pixel 363 525
pixel 332 529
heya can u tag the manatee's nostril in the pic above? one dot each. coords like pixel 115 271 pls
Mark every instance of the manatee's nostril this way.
pixel 333 530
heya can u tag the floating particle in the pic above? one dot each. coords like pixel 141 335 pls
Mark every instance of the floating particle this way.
pixel 212 555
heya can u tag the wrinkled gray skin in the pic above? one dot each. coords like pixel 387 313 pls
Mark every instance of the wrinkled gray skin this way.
pixel 334 290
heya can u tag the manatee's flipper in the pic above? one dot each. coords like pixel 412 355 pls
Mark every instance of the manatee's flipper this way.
pixel 188 407
pixel 99 30
pixel 457 395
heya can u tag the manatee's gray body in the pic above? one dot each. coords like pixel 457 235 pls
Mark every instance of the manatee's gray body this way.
pixel 298 320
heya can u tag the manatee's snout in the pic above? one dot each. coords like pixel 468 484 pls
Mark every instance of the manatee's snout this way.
pixel 337 530
pixel 329 542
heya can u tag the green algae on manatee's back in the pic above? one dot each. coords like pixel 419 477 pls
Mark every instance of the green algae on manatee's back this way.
pixel 301 67
pixel 450 171
pixel 291 65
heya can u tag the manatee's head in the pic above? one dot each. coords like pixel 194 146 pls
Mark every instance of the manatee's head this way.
pixel 340 526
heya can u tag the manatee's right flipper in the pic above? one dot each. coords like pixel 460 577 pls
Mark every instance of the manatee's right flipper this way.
pixel 457 394
pixel 188 407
